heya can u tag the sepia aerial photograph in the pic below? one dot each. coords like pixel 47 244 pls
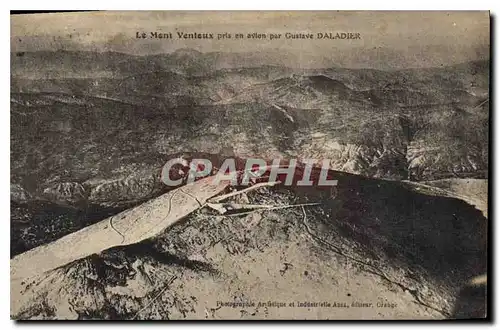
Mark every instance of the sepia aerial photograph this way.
pixel 249 165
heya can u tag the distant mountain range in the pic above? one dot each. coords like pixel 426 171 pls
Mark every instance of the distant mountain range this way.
pixel 90 133
pixel 89 119
pixel 79 64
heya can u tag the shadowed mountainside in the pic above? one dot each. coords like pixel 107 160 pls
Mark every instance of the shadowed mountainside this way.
pixel 422 248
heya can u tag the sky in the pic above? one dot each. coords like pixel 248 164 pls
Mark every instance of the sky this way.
pixel 438 36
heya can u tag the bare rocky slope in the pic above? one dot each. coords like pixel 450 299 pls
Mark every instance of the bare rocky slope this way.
pixel 90 142
pixel 374 241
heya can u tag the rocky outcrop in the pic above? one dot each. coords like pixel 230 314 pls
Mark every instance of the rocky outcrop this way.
pixel 18 194
pixel 72 193
pixel 137 187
